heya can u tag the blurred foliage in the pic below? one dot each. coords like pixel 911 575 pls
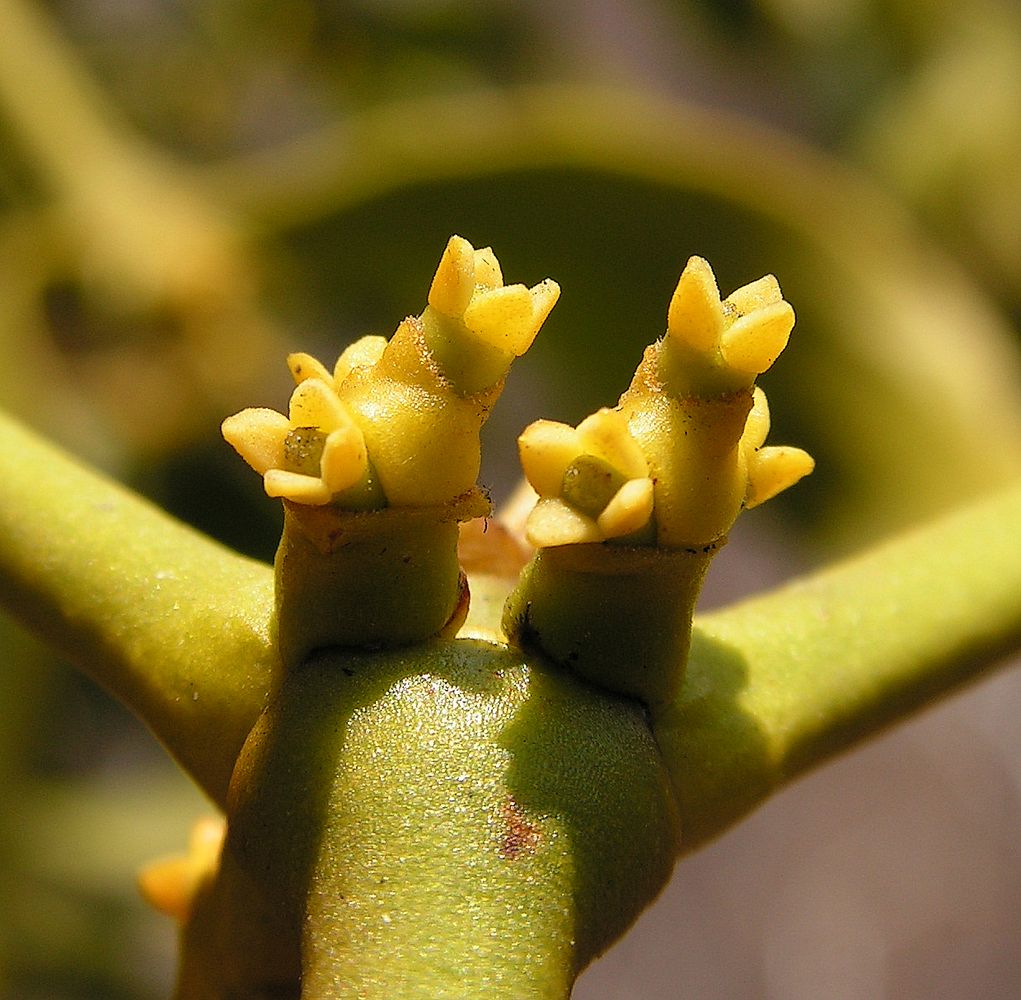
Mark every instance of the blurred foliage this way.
pixel 188 188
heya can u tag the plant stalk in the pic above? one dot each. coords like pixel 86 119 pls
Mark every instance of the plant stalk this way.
pixel 780 683
pixel 173 624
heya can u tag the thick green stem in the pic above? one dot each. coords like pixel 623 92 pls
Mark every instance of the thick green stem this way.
pixel 369 579
pixel 173 624
pixel 444 822
pixel 778 684
pixel 619 616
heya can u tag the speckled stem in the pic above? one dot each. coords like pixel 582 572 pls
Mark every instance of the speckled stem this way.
pixel 619 616
pixel 782 682
pixel 171 623
pixel 447 822
pixel 369 579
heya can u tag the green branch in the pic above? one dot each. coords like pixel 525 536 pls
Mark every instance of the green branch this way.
pixel 780 683
pixel 63 120
pixel 173 624
pixel 139 227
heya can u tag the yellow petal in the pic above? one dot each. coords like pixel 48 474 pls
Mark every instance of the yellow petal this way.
pixel 294 486
pixel 755 295
pixel 629 510
pixel 503 318
pixel 547 448
pixel 168 885
pixel 206 840
pixel 257 435
pixel 344 458
pixel 545 296
pixel 757 425
pixel 314 403
pixel 605 434
pixel 487 269
pixel 772 470
pixel 454 282
pixel 304 366
pixel 695 316
pixel 554 522
pixel 753 342
pixel 363 353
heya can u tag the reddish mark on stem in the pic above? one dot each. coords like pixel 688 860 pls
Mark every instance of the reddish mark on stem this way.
pixel 519 834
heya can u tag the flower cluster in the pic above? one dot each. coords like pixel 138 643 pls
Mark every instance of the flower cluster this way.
pixel 634 501
pixel 683 452
pixel 397 421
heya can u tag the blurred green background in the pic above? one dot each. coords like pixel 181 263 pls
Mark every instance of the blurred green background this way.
pixel 191 188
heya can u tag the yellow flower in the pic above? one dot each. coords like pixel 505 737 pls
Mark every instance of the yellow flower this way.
pixel 692 409
pixel 593 480
pixel 770 470
pixel 469 286
pixel 317 451
pixel 171 884
pixel 745 332
pixel 397 421
pixel 683 452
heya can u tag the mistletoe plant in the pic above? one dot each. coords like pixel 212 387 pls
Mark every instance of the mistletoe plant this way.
pixel 436 784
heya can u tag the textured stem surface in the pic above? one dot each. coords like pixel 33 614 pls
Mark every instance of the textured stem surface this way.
pixel 173 624
pixel 780 683
pixel 449 821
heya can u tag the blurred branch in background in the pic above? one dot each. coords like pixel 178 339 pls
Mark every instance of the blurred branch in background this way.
pixel 145 283
pixel 184 186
